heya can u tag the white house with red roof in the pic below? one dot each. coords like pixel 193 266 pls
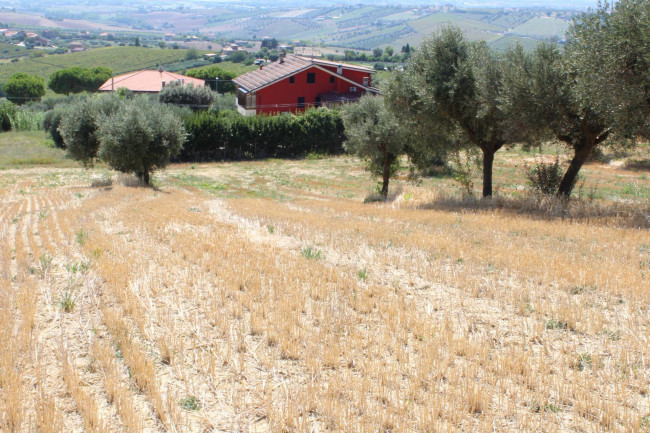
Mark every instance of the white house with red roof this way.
pixel 147 81
pixel 294 83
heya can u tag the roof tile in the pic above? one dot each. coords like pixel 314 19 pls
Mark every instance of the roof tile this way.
pixel 147 81
pixel 276 71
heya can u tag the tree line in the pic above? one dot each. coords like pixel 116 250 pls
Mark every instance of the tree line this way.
pixel 458 95
pixel 454 96
pixel 142 133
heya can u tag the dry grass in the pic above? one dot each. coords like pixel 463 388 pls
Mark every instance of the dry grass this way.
pixel 200 313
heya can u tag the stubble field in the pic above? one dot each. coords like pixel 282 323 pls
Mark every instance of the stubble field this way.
pixel 266 296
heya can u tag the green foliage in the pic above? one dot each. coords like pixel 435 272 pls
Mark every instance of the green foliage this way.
pixel 140 137
pixel 374 133
pixel 51 123
pixel 311 253
pixel 238 56
pixel 67 301
pixel 21 88
pixel 545 178
pixel 270 43
pixel 192 54
pixel 543 99
pixel 450 94
pixel 80 236
pixel 584 361
pixel 7 114
pixel 78 79
pixel 608 51
pixel 26 120
pixel 462 174
pixel 363 274
pixel 556 324
pixel 187 95
pixel 224 83
pixel 229 136
pixel 190 403
pixel 78 127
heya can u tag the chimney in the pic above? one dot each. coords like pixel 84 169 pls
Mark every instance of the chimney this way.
pixel 281 57
pixel 261 66
pixel 163 84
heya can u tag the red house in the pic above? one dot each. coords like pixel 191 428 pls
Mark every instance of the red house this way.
pixel 294 83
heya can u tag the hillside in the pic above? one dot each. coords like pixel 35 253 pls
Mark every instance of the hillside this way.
pixel 359 27
pixel 366 27
pixel 265 296
pixel 120 59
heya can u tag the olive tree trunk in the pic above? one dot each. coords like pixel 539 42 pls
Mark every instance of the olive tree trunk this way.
pixel 588 141
pixel 385 174
pixel 145 177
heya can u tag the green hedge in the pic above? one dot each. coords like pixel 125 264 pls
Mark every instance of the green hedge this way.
pixel 229 136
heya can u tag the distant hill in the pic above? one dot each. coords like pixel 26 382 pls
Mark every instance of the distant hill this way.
pixel 24 19
pixel 120 59
pixel 361 26
pixel 364 27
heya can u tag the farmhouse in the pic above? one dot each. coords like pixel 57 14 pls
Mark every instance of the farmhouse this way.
pixel 147 81
pixel 77 47
pixel 294 83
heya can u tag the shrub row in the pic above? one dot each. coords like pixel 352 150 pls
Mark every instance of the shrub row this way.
pixel 229 136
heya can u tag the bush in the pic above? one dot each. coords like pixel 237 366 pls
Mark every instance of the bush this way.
pixel 58 101
pixel 187 95
pixel 545 178
pixel 238 56
pixel 224 83
pixel 229 136
pixel 51 123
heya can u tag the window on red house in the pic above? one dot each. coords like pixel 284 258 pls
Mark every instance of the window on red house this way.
pixel 332 79
pixel 292 80
pixel 311 77
pixel 301 102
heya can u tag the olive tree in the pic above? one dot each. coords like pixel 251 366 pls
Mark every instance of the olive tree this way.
pixel 608 51
pixel 374 133
pixel 140 137
pixel 453 87
pixel 597 87
pixel 78 127
pixel 545 102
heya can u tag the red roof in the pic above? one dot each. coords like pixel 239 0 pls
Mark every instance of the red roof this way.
pixel 291 65
pixel 147 81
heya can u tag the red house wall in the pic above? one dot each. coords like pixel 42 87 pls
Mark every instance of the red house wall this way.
pixel 283 95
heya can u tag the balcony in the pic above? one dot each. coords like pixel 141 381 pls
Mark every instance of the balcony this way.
pixel 246 103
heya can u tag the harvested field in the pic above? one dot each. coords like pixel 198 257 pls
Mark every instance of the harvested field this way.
pixel 266 297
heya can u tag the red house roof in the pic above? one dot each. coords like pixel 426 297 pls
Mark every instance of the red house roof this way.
pixel 290 65
pixel 147 81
